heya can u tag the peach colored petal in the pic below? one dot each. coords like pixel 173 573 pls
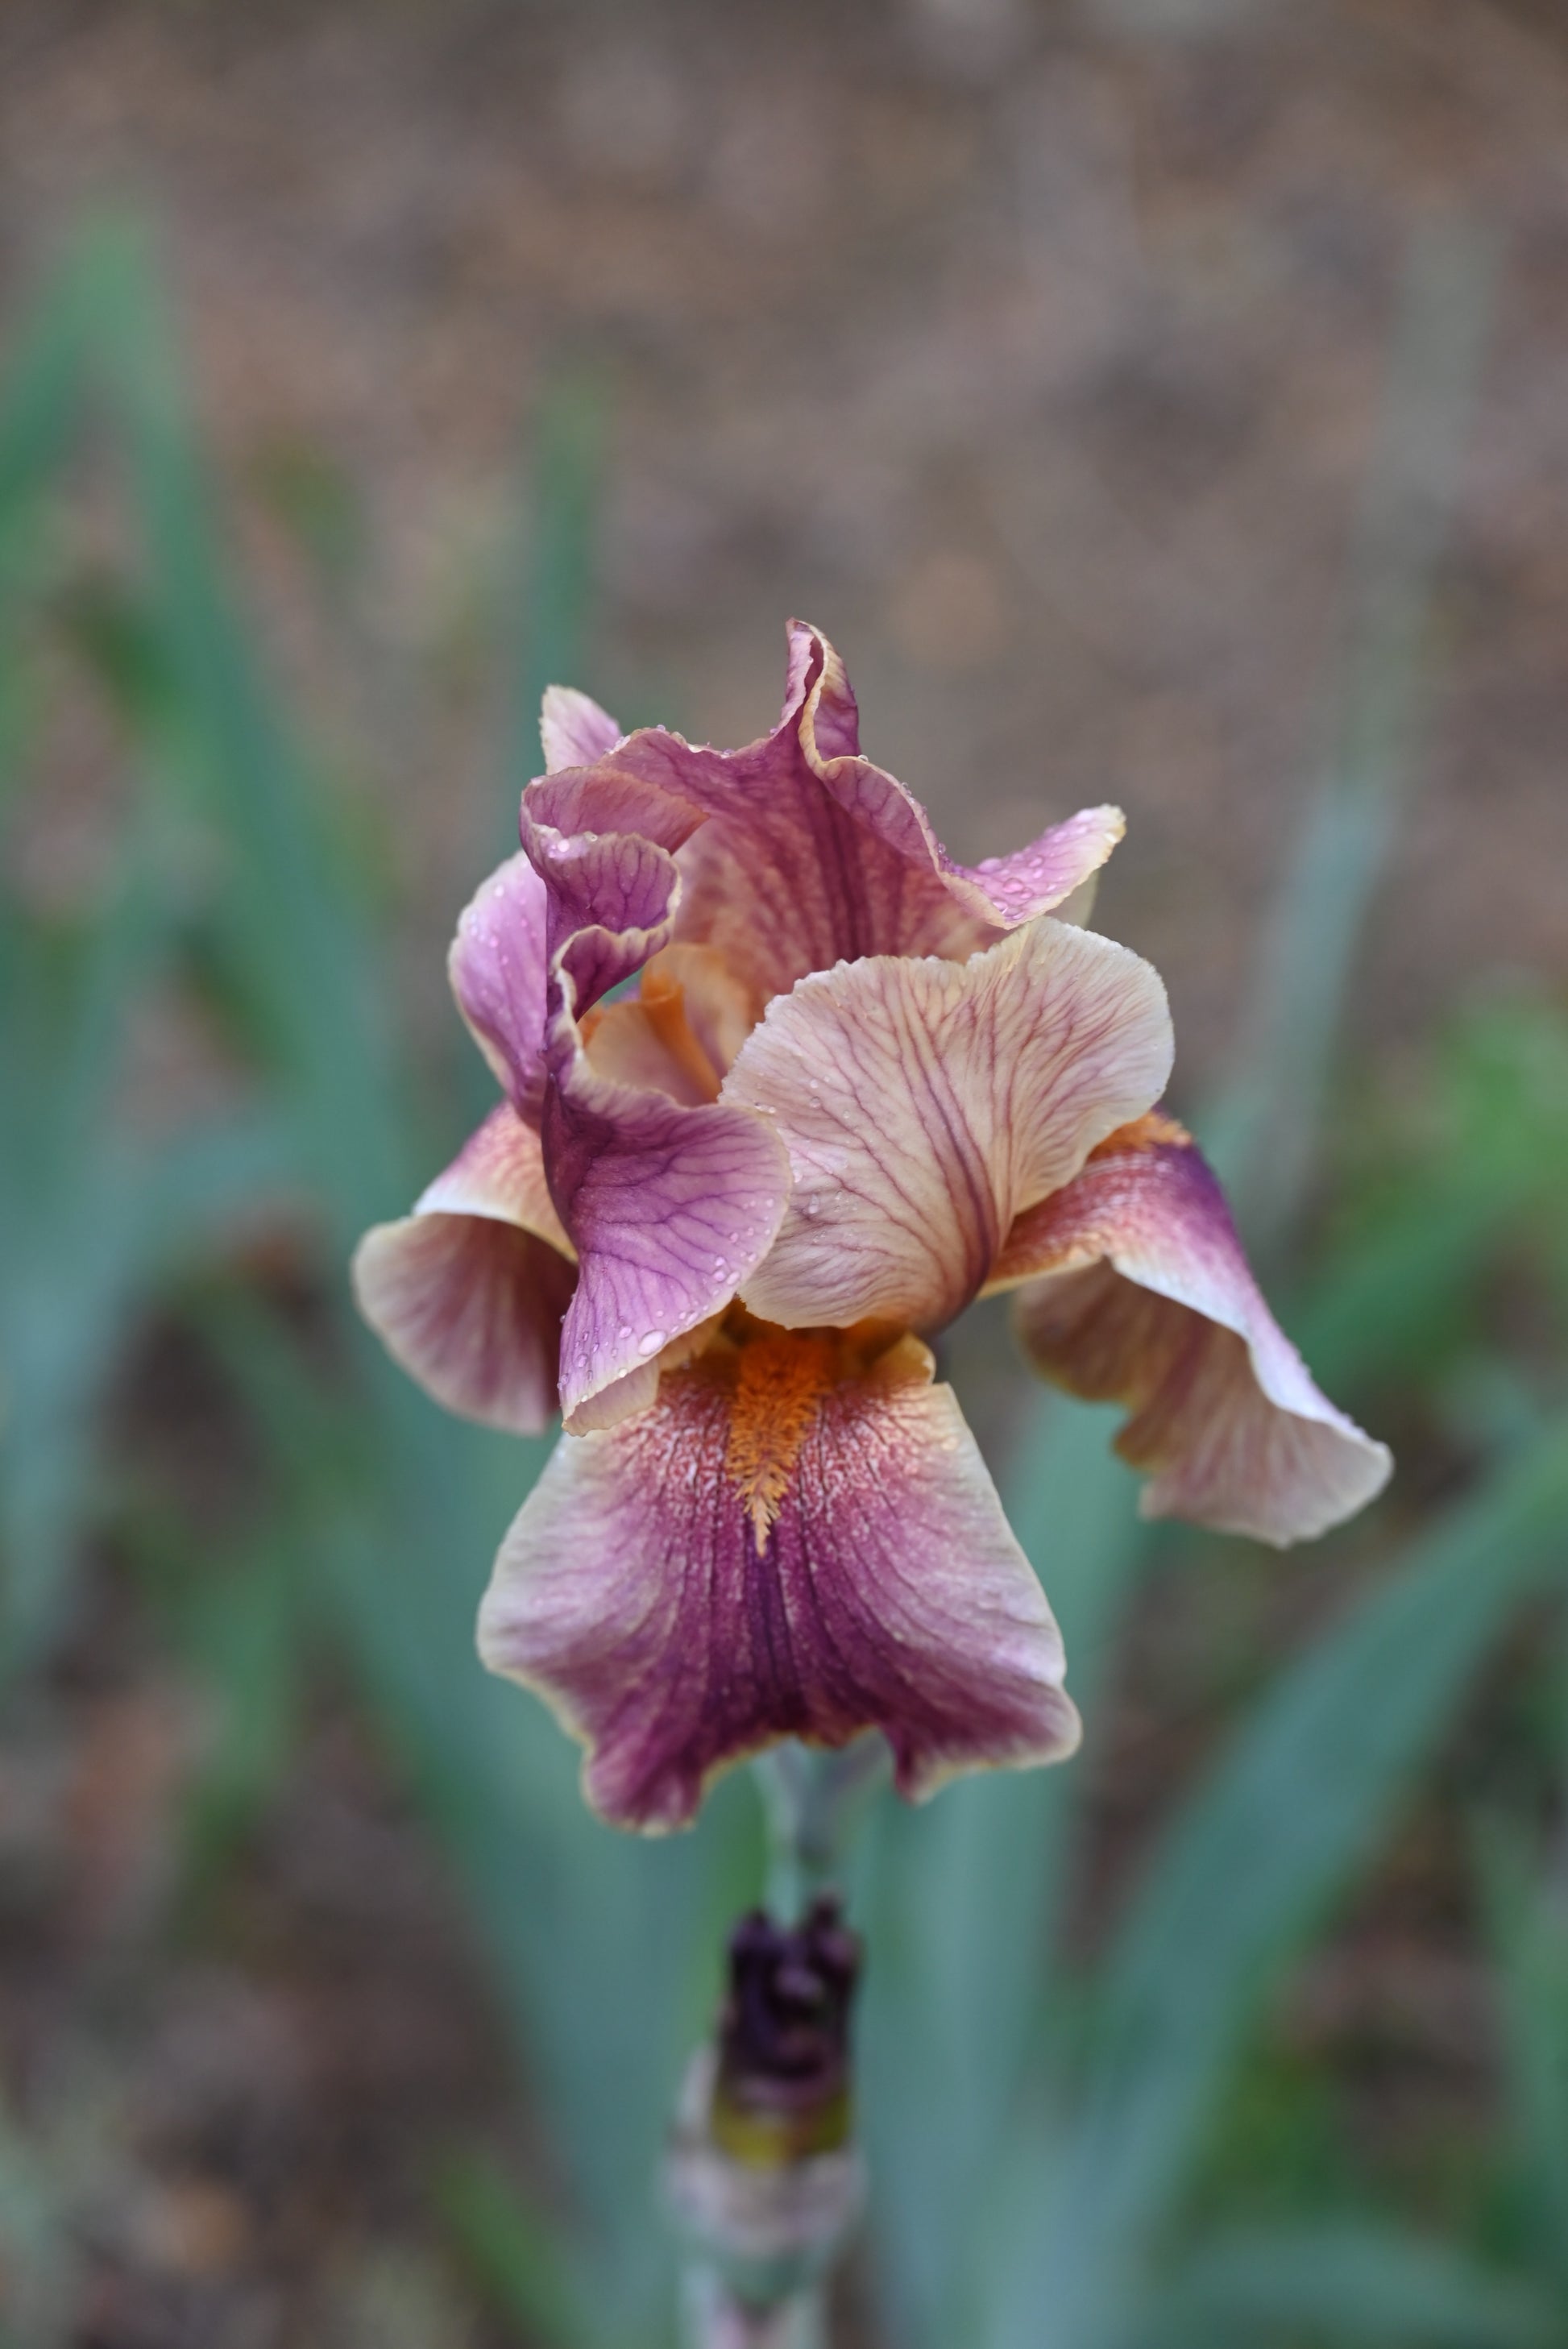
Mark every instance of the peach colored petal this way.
pixel 923 1105
pixel 468 1292
pixel 1146 1299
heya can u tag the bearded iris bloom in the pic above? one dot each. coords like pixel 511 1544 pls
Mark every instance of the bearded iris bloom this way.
pixel 717 1220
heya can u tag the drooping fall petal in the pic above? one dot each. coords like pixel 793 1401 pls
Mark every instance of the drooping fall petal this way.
pixel 1148 1299
pixel 777 1548
pixel 468 1292
pixel 923 1105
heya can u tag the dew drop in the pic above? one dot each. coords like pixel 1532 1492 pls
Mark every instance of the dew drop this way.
pixel 650 1341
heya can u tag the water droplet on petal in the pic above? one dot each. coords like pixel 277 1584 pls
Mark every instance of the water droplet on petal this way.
pixel 650 1341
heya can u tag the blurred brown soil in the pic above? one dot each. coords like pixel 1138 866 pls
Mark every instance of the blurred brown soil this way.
pixel 1034 354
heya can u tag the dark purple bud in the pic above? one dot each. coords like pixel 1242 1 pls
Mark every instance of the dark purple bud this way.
pixel 782 2088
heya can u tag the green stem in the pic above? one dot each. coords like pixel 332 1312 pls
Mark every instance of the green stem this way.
pixel 813 1801
pixel 717 2318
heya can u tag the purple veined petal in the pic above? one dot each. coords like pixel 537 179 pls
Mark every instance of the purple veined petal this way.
pixel 922 1104
pixel 636 788
pixel 669 1204
pixel 796 853
pixel 670 1208
pixel 468 1292
pixel 777 1548
pixel 1000 892
pixel 1137 1290
pixel 574 730
pixel 814 674
pixel 497 967
pixel 610 903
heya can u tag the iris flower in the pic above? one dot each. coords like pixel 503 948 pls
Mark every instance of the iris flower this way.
pixel 716 1221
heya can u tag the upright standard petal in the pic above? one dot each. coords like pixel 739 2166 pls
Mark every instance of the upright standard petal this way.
pixel 669 1203
pixel 797 853
pixel 468 1292
pixel 498 967
pixel 1146 1299
pixel 573 729
pixel 923 1105
pixel 792 1541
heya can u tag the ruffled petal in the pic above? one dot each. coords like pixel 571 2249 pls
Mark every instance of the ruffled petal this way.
pixel 669 1203
pixel 468 1292
pixel 498 970
pixel 797 853
pixel 923 1105
pixel 1148 1300
pixel 777 1548
pixel 574 730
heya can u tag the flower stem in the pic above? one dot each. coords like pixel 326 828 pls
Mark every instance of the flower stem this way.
pixel 717 2318
pixel 813 1801
pixel 766 2234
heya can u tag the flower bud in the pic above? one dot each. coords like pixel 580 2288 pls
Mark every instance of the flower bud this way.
pixel 763 2174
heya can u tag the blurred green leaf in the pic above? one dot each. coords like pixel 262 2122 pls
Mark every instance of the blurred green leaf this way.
pixel 556 570
pixel 1296 1803
pixel 963 1901
pixel 1352 2282
pixel 513 2253
pixel 1527 1913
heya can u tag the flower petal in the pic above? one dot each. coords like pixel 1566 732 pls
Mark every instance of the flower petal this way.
pixel 923 1105
pixel 679 1034
pixel 468 1292
pixel 886 1592
pixel 669 1205
pixel 1148 1300
pixel 497 968
pixel 797 853
pixel 999 892
pixel 574 730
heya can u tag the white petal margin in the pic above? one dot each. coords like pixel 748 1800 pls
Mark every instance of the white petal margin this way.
pixel 467 1293
pixel 924 1104
pixel 1148 1299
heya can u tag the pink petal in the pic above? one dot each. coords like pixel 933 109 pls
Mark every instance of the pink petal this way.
pixel 669 1205
pixel 670 1208
pixel 675 1623
pixel 497 968
pixel 468 1292
pixel 796 853
pixel 923 1105
pixel 1000 891
pixel 1148 1300
pixel 574 730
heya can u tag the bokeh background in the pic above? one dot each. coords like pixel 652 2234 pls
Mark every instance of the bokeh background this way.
pixel 1162 400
